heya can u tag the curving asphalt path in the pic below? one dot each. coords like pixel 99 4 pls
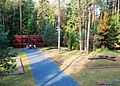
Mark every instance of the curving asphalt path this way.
pixel 45 72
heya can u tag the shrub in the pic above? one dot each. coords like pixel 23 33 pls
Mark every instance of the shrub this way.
pixel 7 63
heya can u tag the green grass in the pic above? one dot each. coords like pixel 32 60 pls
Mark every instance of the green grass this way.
pixel 91 77
pixel 83 77
pixel 19 80
pixel 102 50
pixel 104 62
pixel 65 53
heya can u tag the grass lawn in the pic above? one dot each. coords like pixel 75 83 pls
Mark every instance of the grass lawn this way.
pixel 87 77
pixel 65 53
pixel 19 80
pixel 103 62
pixel 91 77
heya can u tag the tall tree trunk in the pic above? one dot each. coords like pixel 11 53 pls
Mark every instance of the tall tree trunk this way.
pixel 94 22
pixel 86 23
pixel 2 23
pixel 83 20
pixel 35 17
pixel 58 26
pixel 115 7
pixel 20 9
pixel 118 10
pixel 88 32
pixel 103 9
pixel 109 7
pixel 80 32
pixel 112 8
pixel 13 14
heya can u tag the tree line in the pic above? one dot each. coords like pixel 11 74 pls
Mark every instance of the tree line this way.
pixel 80 24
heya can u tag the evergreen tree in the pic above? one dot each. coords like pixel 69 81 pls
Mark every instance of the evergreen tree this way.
pixel 43 15
pixel 47 23
pixel 72 26
pixel 28 17
pixel 114 34
pixel 103 28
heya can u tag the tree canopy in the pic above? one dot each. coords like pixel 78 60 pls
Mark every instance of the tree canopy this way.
pixel 80 26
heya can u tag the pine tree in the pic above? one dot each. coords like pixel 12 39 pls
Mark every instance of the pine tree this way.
pixel 28 17
pixel 72 26
pixel 103 28
pixel 113 41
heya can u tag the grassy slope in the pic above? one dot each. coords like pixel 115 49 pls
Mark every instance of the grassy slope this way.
pixel 91 77
pixel 95 63
pixel 19 80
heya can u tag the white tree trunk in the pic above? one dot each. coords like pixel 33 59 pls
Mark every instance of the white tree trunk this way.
pixel 58 26
pixel 86 24
pixel 80 33
pixel 88 32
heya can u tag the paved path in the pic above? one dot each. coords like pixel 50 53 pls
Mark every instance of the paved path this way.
pixel 45 72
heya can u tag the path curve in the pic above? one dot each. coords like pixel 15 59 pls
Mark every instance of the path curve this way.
pixel 45 72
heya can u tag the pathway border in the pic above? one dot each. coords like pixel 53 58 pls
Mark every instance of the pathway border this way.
pixel 20 65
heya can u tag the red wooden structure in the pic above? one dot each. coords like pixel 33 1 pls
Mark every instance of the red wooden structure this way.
pixel 21 41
